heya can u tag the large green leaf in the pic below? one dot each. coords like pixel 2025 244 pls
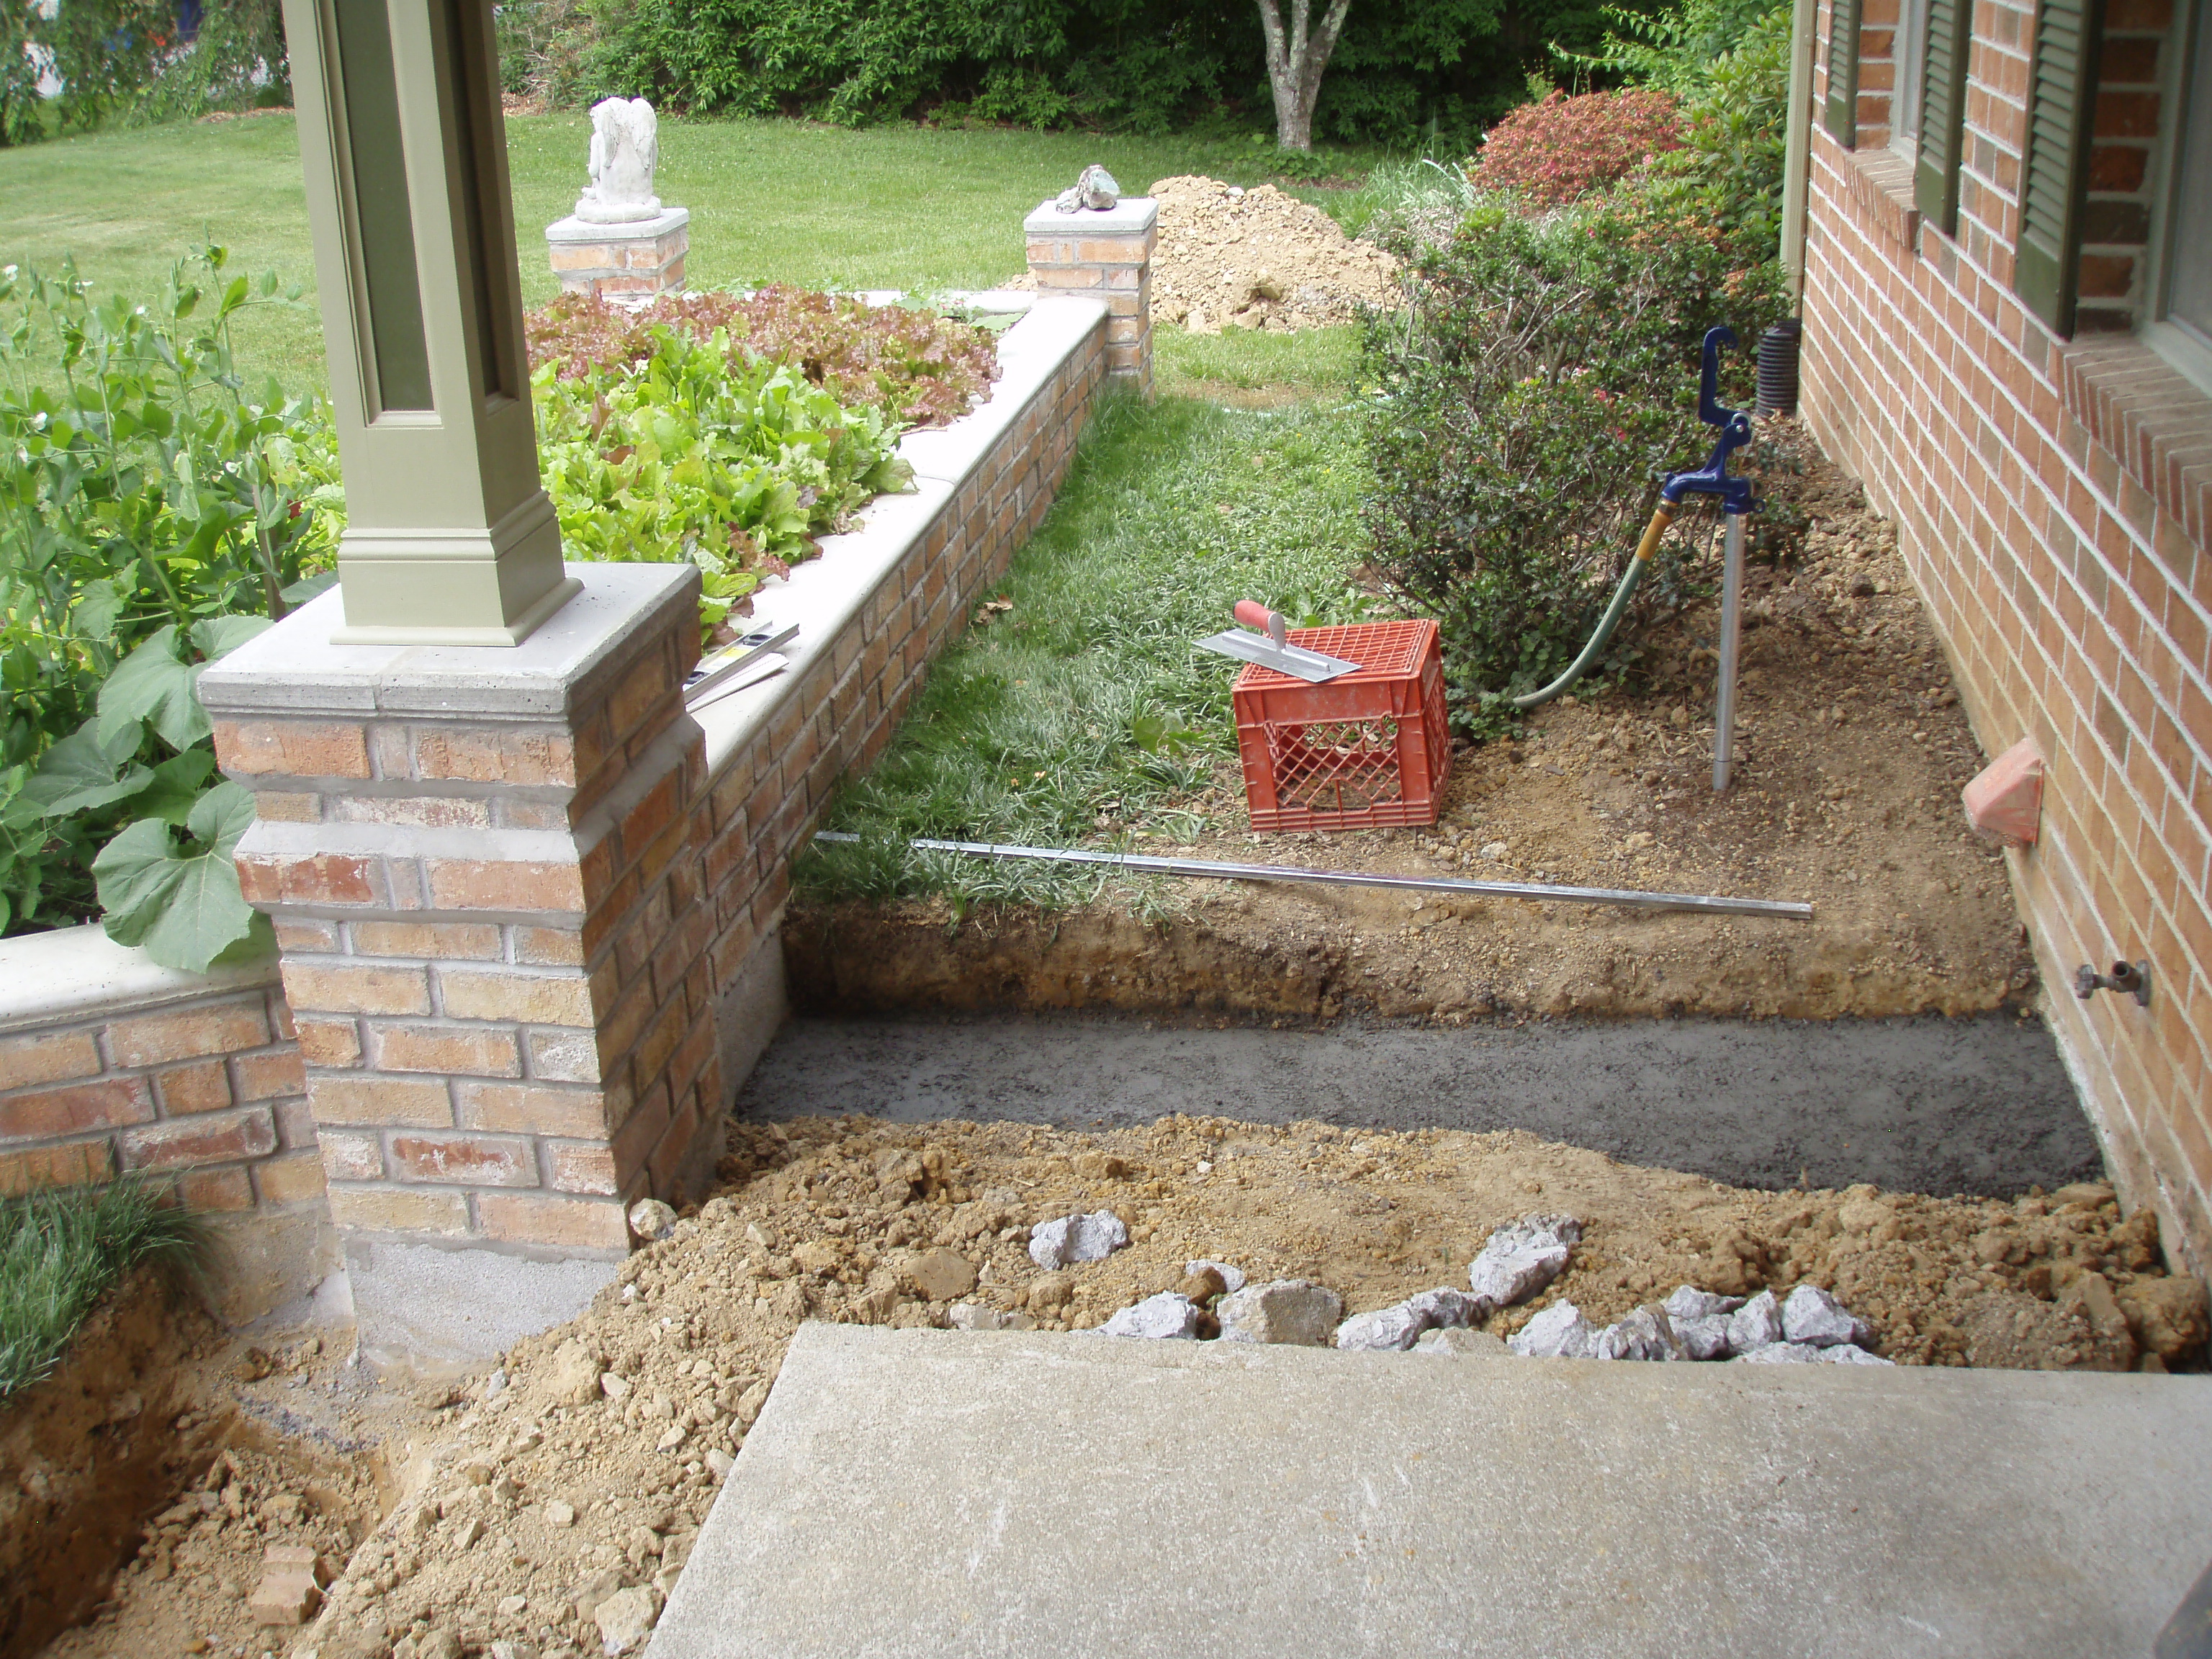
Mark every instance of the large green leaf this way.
pixel 153 686
pixel 218 636
pixel 182 903
pixel 176 786
pixel 76 773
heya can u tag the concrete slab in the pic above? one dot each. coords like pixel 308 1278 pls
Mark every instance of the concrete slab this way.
pixel 429 1313
pixel 919 1493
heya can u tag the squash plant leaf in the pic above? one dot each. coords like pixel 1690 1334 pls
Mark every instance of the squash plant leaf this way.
pixel 153 686
pixel 181 902
pixel 76 773
pixel 218 636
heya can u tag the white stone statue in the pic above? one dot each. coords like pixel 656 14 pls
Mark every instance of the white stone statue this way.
pixel 625 149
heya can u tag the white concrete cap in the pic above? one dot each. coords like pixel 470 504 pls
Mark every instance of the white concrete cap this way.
pixel 1132 215
pixel 572 229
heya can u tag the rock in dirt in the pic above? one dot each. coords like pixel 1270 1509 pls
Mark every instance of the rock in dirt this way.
pixel 625 1619
pixel 1645 1334
pixel 651 1221
pixel 1688 1302
pixel 1202 1286
pixel 1779 1353
pixel 1396 1328
pixel 1051 1293
pixel 1072 1238
pixel 571 1376
pixel 1558 1332
pixel 1703 1338
pixel 1294 1310
pixel 981 1316
pixel 942 1275
pixel 1481 1344
pixel 1168 1316
pixel 1849 1353
pixel 1232 1278
pixel 1522 1258
pixel 1811 1315
pixel 1755 1325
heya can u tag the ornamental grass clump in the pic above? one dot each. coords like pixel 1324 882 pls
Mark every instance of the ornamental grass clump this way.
pixel 1562 148
pixel 61 1252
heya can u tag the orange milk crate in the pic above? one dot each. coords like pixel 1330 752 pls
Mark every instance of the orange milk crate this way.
pixel 1362 751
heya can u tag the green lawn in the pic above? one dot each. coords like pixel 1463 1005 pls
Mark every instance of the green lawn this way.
pixel 785 201
pixel 1082 713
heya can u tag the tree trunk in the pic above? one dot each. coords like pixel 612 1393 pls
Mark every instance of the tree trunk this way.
pixel 1295 62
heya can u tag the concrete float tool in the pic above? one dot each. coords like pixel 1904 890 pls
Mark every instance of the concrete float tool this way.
pixel 1441 885
pixel 1271 647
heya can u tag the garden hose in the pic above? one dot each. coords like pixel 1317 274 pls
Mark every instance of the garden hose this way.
pixel 1661 516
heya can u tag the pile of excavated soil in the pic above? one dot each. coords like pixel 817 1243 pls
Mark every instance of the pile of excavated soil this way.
pixel 1255 259
pixel 1851 749
pixel 554 1505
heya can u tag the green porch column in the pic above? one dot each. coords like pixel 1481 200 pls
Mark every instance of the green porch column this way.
pixel 450 540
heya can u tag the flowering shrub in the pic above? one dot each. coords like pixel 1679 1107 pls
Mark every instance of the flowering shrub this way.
pixel 1563 148
pixel 918 368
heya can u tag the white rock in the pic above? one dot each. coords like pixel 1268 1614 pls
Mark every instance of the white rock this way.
pixel 1811 1315
pixel 982 1317
pixel 1396 1328
pixel 1447 1307
pixel 1461 1342
pixel 1779 1353
pixel 720 1464
pixel 512 1650
pixel 1703 1338
pixel 1645 1334
pixel 650 1219
pixel 1092 1237
pixel 1495 851
pixel 1295 1310
pixel 1688 1302
pixel 1849 1353
pixel 1522 1258
pixel 1559 1332
pixel 1755 1324
pixel 1232 1278
pixel 1168 1316
pixel 495 1384
pixel 673 1437
pixel 614 1385
pixel 558 1514
pixel 625 1619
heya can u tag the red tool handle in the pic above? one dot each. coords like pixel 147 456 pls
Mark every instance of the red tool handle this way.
pixel 1253 614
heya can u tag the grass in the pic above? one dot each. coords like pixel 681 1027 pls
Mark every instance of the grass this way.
pixel 1084 714
pixel 789 201
pixel 61 1252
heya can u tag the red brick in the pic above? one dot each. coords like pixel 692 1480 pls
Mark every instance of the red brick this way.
pixel 516 886
pixel 528 998
pixel 155 1039
pixel 433 941
pixel 216 1189
pixel 532 1109
pixel 211 1138
pixel 572 1223
pixel 73 1164
pixel 359 1099
pixel 330 1042
pixel 399 1210
pixel 581 1167
pixel 266 1076
pixel 464 1160
pixel 303 749
pixel 75 1109
pixel 518 757
pixel 465 1049
pixel 47 1057
pixel 203 1086
pixel 357 988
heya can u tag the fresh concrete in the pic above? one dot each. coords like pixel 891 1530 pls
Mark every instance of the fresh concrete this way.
pixel 421 1311
pixel 924 1493
pixel 1932 1105
pixel 73 974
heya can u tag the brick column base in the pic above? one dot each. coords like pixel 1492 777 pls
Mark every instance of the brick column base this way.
pixel 620 261
pixel 1107 254
pixel 483 866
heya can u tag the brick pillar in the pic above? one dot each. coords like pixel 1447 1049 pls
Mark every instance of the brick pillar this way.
pixel 631 261
pixel 1109 255
pixel 483 866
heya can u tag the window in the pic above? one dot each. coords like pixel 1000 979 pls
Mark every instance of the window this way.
pixel 1908 55
pixel 2181 328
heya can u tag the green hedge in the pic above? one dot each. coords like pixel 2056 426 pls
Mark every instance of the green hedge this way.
pixel 1405 71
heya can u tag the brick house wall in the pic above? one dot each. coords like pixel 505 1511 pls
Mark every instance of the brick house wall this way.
pixel 2052 499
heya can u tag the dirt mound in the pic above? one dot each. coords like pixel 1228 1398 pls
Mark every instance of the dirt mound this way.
pixel 558 1510
pixel 1258 258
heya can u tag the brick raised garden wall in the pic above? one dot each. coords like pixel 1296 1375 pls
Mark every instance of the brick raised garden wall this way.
pixel 109 1064
pixel 2052 499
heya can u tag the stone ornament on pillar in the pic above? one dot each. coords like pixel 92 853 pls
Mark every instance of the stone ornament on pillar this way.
pixel 621 244
pixel 1093 240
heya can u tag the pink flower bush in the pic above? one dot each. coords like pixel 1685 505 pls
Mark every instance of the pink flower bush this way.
pixel 1562 147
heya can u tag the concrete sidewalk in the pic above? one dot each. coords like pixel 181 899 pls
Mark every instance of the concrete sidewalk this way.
pixel 911 1494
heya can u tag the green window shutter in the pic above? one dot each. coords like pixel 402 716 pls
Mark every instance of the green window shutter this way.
pixel 1842 108
pixel 2061 88
pixel 1942 113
